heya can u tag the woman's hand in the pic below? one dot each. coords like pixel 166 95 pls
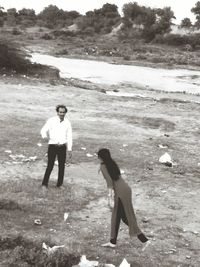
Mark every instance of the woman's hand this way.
pixel 110 197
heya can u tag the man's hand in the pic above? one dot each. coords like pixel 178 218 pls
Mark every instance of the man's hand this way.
pixel 110 197
pixel 68 158
pixel 69 153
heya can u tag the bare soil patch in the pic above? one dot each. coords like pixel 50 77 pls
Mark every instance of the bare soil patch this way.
pixel 138 131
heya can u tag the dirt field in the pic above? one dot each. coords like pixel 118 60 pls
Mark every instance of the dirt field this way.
pixel 138 130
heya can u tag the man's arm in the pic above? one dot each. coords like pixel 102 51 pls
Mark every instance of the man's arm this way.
pixel 44 130
pixel 69 141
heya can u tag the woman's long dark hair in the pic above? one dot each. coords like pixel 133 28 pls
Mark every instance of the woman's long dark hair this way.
pixel 111 165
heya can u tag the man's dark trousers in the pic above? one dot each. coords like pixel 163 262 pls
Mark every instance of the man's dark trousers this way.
pixel 60 152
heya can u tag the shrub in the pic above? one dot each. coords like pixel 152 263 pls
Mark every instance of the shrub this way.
pixel 12 58
pixel 16 31
pixel 46 36
pixel 29 253
pixel 179 40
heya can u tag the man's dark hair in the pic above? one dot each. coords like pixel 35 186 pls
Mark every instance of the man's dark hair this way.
pixel 61 106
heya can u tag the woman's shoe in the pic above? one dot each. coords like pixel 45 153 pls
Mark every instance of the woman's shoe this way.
pixel 109 245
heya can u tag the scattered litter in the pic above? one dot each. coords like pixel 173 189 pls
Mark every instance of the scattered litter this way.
pixel 124 263
pixel 52 230
pixel 122 171
pixel 167 135
pixel 83 148
pixel 166 159
pixel 33 158
pixel 89 155
pixel 109 265
pixel 8 151
pixel 50 250
pixel 66 216
pixel 14 157
pixel 39 144
pixel 125 145
pixel 37 222
pixel 86 263
pixel 195 232
pixel 188 257
pixel 173 250
pixel 163 146
pixel 163 191
pixel 19 158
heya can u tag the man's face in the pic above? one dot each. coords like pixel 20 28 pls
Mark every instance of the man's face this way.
pixel 61 113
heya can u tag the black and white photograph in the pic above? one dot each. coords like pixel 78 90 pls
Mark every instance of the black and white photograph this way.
pixel 99 133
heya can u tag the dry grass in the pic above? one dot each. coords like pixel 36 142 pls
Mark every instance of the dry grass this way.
pixel 166 199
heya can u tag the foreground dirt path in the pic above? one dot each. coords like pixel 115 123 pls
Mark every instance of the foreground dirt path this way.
pixel 138 130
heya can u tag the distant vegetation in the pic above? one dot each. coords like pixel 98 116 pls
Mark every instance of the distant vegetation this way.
pixel 137 21
pixel 137 25
pixel 12 58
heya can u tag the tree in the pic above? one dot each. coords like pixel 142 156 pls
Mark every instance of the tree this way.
pixel 27 17
pixel 12 16
pixel 50 15
pixel 164 20
pixel 186 23
pixel 145 21
pixel 101 20
pixel 131 12
pixel 1 16
pixel 196 11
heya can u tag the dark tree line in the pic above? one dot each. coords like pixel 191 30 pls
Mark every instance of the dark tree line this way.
pixel 136 21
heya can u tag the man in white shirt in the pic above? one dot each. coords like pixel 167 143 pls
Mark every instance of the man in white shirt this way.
pixel 59 132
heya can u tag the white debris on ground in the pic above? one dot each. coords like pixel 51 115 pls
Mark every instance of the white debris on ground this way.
pixel 8 151
pixel 37 222
pixel 50 250
pixel 20 158
pixel 89 155
pixel 66 215
pixel 124 263
pixel 86 263
pixel 39 144
pixel 163 146
pixel 166 159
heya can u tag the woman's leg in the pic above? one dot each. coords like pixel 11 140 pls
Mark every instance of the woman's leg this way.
pixel 142 238
pixel 134 227
pixel 115 220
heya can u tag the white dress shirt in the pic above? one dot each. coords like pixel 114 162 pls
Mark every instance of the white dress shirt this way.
pixel 58 132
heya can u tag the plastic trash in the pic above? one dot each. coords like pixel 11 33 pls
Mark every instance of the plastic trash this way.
pixel 89 155
pixel 37 222
pixel 50 250
pixel 66 216
pixel 124 263
pixel 166 159
pixel 86 263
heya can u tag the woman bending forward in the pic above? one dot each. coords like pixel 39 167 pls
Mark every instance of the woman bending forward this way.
pixel 123 208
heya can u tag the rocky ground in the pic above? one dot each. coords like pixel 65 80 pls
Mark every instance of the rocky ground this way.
pixel 138 130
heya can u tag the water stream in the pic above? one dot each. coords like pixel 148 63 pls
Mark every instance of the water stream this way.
pixel 172 80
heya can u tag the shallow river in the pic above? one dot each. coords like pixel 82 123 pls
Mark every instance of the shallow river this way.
pixel 176 80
